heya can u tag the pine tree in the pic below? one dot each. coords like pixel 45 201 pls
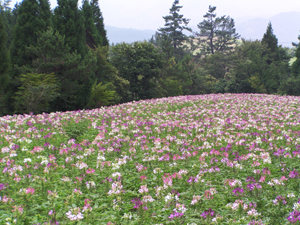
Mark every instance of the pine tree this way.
pixel 175 23
pixel 75 73
pixel 98 20
pixel 92 36
pixel 68 20
pixel 220 32
pixel 33 17
pixel 296 64
pixel 271 41
pixel 4 66
pixel 4 60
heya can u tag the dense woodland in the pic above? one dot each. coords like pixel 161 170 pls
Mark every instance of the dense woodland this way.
pixel 61 59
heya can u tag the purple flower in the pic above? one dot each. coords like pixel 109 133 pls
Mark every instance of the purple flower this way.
pixel 137 203
pixel 294 216
pixel 237 191
pixel 2 186
pixel 250 180
pixel 175 215
pixel 190 180
pixel 294 174
pixel 209 212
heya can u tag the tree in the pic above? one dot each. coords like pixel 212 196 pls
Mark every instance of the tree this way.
pixel 33 17
pixel 75 73
pixel 98 20
pixel 9 20
pixel 92 37
pixel 217 34
pixel 36 93
pixel 172 31
pixel 296 64
pixel 68 20
pixel 251 72
pixel 4 59
pixel 140 64
pixel 107 74
pixel 4 66
pixel 101 95
pixel 270 40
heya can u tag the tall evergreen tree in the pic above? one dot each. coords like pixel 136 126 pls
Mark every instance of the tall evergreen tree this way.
pixel 98 20
pixel 4 60
pixel 271 41
pixel 175 23
pixel 33 17
pixel 68 20
pixel 4 66
pixel 92 36
pixel 75 74
pixel 296 64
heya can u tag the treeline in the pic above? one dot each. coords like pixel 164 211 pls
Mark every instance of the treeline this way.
pixel 61 60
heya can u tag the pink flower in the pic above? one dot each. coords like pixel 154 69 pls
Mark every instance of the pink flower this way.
pixel 90 170
pixel 284 178
pixel 29 190
pixel 143 177
pixel 262 179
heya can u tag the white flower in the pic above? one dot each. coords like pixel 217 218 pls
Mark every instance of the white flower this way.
pixel 253 212
pixel 74 214
pixel 27 160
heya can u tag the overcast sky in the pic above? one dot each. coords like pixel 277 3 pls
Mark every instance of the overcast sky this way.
pixel 147 14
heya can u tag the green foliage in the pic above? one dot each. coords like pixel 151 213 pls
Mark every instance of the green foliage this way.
pixel 175 23
pixel 140 64
pixel 36 92
pixel 296 63
pixel 271 41
pixel 33 17
pixel 217 34
pixel 102 95
pixel 92 37
pixel 9 20
pixel 68 20
pixel 76 129
pixel 290 86
pixel 99 22
pixel 4 59
pixel 252 72
pixel 75 73
pixel 106 73
pixel 4 66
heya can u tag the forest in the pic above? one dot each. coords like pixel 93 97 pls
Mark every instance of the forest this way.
pixel 61 59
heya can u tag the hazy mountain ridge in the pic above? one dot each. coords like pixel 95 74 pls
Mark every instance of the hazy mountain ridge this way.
pixel 117 35
pixel 286 27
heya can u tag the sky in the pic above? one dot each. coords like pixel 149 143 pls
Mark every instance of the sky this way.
pixel 147 14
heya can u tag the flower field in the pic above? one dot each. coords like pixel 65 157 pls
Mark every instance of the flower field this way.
pixel 207 159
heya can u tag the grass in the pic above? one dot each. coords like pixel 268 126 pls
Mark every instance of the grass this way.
pixel 207 159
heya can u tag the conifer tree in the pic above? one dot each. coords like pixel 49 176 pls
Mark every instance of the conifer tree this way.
pixel 75 73
pixel 92 36
pixel 175 23
pixel 4 66
pixel 271 41
pixel 33 17
pixel 98 20
pixel 4 60
pixel 296 64
pixel 220 32
pixel 68 20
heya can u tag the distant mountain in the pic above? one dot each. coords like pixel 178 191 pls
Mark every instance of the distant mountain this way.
pixel 286 27
pixel 117 35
